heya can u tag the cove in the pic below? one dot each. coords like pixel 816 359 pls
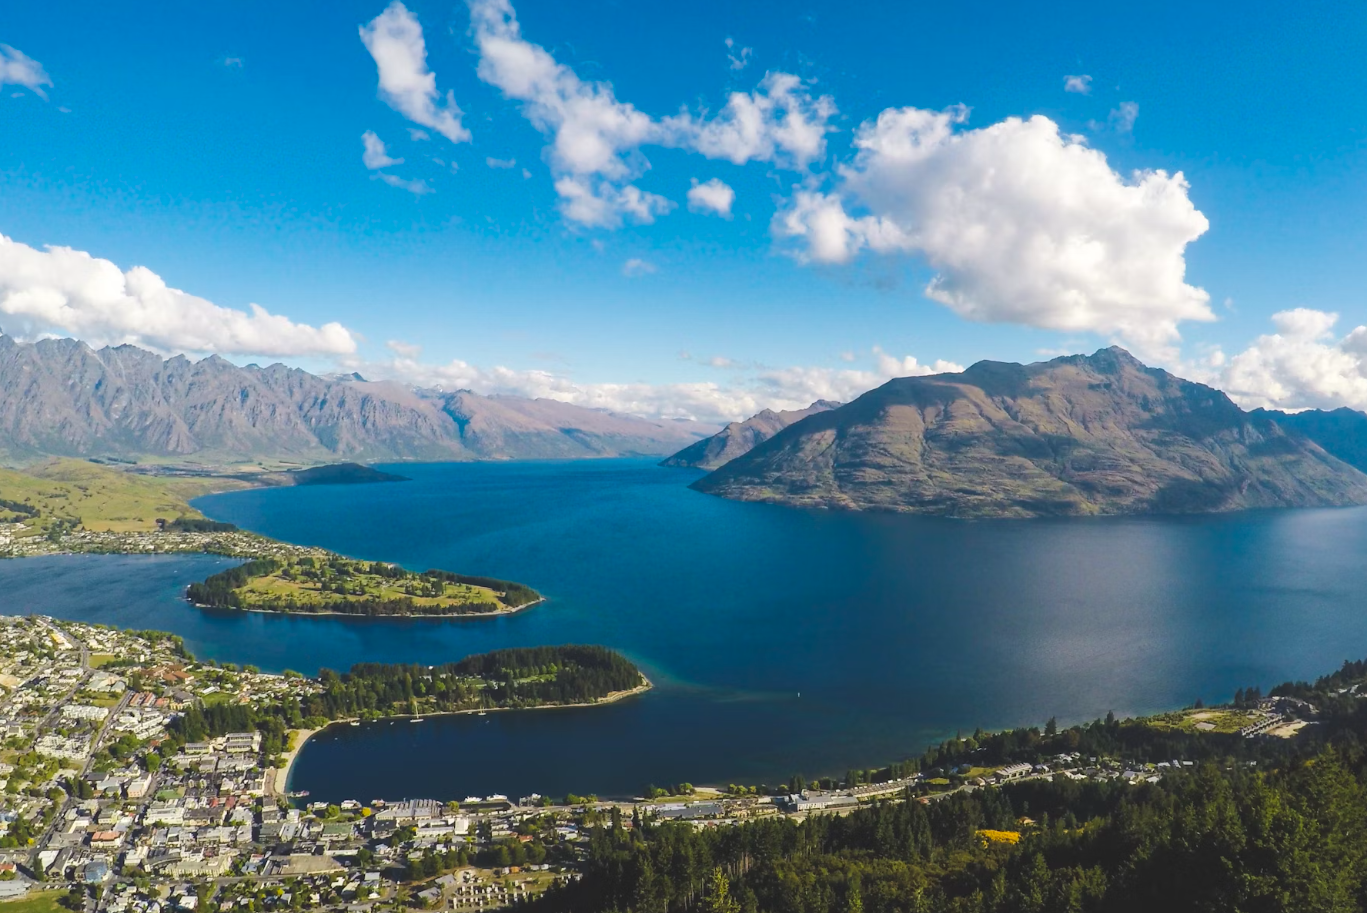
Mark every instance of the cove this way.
pixel 779 640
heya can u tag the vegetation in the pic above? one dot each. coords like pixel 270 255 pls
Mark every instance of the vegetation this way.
pixel 349 587
pixel 64 494
pixel 1261 825
pixel 519 678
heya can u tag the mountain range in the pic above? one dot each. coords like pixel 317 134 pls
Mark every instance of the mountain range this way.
pixel 739 438
pixel 61 397
pixel 1099 434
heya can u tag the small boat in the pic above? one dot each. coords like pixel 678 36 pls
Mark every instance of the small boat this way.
pixel 354 723
pixel 416 719
pixel 481 713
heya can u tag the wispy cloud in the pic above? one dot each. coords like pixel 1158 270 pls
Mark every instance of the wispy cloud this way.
pixel 375 156
pixel 1082 85
pixel 738 57
pixel 19 69
pixel 394 39
pixel 500 163
pixel 636 267
pixel 416 187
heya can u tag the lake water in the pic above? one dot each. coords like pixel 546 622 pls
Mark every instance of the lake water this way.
pixel 779 640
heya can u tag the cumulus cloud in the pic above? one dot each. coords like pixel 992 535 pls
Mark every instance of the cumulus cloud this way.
pixel 596 139
pixel 68 291
pixel 1022 224
pixel 394 39
pixel 19 69
pixel 713 196
pixel 707 401
pixel 1302 365
pixel 738 57
pixel 779 122
pixel 1082 85
pixel 636 267
pixel 417 135
pixel 416 187
pixel 500 163
pixel 374 155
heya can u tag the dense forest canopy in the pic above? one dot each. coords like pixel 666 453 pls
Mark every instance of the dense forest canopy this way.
pixel 528 677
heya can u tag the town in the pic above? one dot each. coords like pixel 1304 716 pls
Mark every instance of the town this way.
pixel 105 807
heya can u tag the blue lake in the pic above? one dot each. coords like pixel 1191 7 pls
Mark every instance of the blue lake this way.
pixel 779 640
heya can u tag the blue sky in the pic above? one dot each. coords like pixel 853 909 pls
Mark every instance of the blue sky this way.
pixel 220 146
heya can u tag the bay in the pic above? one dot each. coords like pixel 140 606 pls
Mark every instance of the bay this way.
pixel 779 640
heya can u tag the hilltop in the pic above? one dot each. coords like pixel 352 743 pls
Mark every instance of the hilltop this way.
pixel 1098 434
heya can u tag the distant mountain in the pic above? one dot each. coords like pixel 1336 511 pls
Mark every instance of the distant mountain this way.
pixel 61 397
pixel 1099 434
pixel 1342 432
pixel 739 438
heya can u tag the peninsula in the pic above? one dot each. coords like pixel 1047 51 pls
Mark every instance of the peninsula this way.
pixel 73 506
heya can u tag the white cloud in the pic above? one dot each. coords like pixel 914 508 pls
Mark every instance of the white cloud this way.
pixel 779 122
pixel 375 155
pixel 404 349
pixel 636 267
pixel 69 291
pixel 417 187
pixel 596 139
pixel 19 69
pixel 739 58
pixel 500 163
pixel 713 196
pixel 1082 85
pixel 417 135
pixel 233 63
pixel 394 39
pixel 1022 224
pixel 1122 118
pixel 1300 366
pixel 708 401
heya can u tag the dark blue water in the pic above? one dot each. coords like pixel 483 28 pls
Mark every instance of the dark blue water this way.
pixel 780 640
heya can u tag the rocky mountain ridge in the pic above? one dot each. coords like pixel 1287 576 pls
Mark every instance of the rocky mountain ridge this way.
pixel 61 397
pixel 739 438
pixel 1098 434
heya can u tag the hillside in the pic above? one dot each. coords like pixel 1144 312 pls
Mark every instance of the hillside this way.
pixel 1099 434
pixel 60 397
pixel 74 492
pixel 739 438
pixel 1342 432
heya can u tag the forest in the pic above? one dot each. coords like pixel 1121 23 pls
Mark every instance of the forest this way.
pixel 517 678
pixel 337 585
pixel 1260 825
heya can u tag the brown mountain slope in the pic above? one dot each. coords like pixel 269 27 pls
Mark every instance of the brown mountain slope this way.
pixel 1100 434
pixel 739 438
pixel 61 397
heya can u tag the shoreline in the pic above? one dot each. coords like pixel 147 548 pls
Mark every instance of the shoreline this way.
pixel 282 774
pixel 459 616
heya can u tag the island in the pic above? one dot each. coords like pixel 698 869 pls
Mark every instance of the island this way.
pixel 333 585
pixel 75 506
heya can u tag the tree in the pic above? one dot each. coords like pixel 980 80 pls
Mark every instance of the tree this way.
pixel 717 898
pixel 1051 727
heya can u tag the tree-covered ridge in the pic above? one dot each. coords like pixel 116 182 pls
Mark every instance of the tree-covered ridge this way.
pixel 338 585
pixel 505 679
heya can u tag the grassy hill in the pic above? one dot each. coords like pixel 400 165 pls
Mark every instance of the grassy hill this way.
pixel 79 493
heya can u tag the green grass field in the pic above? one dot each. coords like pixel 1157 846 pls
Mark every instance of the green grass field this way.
pixel 44 902
pixel 100 498
pixel 293 585
pixel 1223 719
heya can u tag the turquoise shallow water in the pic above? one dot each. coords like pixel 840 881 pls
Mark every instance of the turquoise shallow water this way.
pixel 780 640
